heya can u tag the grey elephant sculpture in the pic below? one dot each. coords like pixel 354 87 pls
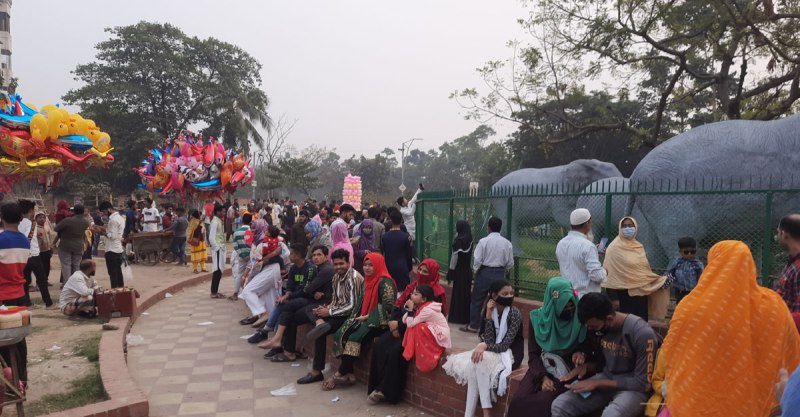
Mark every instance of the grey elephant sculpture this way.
pixel 538 213
pixel 729 155
pixel 594 200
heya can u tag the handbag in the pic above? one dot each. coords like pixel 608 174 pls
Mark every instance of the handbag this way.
pixel 127 271
pixel 555 365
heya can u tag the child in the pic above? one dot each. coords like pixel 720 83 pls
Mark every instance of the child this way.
pixel 428 334
pixel 685 268
pixel 271 244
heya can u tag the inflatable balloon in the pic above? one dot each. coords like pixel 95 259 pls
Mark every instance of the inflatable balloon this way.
pixel 188 167
pixel 44 143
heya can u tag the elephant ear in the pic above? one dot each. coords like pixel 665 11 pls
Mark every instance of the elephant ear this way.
pixel 583 172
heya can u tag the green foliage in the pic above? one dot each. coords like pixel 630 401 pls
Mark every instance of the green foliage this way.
pixel 150 81
pixel 658 68
pixel 89 347
pixel 294 175
pixel 82 391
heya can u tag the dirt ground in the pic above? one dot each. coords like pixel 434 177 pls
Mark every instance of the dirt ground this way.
pixel 52 360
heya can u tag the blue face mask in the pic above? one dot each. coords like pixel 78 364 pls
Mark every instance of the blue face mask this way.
pixel 628 232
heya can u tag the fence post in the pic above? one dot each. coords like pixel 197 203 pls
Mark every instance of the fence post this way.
pixel 766 249
pixel 516 276
pixel 419 240
pixel 509 213
pixel 608 220
pixel 450 226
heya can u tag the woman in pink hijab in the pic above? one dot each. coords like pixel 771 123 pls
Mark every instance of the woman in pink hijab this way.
pixel 340 239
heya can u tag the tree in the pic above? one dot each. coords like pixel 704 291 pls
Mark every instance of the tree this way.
pixel 294 174
pixel 169 81
pixel 682 63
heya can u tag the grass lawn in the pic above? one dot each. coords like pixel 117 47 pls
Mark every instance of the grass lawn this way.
pixel 83 391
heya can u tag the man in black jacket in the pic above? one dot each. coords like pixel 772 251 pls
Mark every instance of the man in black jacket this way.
pixel 293 311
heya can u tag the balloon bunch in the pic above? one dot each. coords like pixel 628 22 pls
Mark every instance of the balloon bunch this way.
pixel 46 142
pixel 188 167
pixel 351 192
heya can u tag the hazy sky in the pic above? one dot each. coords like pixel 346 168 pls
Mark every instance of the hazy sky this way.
pixel 358 75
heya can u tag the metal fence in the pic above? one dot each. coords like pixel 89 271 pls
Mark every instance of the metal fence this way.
pixel 536 218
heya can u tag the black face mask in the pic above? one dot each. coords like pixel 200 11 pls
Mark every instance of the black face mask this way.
pixel 504 301
pixel 566 315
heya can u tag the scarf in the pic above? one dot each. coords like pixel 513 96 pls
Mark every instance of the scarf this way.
pixel 340 238
pixel 553 334
pixel 628 268
pixel 463 240
pixel 259 228
pixel 314 228
pixel 372 282
pixel 727 340
pixel 366 241
pixel 432 279
pixel 501 327
pixel 193 224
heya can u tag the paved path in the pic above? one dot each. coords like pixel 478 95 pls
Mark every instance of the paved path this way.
pixel 187 369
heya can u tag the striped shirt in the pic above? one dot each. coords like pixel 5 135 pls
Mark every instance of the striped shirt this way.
pixel 346 290
pixel 242 240
pixel 14 252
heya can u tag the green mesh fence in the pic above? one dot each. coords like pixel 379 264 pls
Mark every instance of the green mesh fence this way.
pixel 535 219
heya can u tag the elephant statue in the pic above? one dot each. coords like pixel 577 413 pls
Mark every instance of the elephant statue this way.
pixel 729 155
pixel 594 200
pixel 539 213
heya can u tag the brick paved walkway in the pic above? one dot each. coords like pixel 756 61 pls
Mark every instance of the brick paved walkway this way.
pixel 187 369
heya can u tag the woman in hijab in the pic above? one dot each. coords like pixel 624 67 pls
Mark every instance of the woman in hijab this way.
pixel 341 240
pixel 197 242
pixel 62 211
pixel 317 235
pixel 727 341
pixel 365 244
pixel 369 319
pixel 428 274
pixel 555 333
pixel 460 274
pixel 639 290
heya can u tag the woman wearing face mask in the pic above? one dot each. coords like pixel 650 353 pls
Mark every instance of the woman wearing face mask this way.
pixel 557 351
pixel 635 288
pixel 485 369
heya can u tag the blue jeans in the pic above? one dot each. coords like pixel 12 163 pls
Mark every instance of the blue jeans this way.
pixel 178 247
pixel 480 289
pixel 272 323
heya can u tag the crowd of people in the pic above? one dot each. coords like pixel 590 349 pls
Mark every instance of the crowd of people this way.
pixel 351 276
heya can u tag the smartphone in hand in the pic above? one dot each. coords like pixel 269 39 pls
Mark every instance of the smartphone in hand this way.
pixel 421 187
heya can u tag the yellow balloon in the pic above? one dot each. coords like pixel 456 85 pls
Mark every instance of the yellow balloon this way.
pixel 47 108
pixel 74 123
pixel 57 125
pixel 94 136
pixel 32 106
pixel 39 127
pixel 103 143
pixel 44 162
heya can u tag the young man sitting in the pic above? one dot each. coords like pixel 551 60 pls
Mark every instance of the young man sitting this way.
pixel 77 296
pixel 629 347
pixel 347 284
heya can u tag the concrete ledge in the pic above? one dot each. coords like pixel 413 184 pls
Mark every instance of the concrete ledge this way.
pixel 125 398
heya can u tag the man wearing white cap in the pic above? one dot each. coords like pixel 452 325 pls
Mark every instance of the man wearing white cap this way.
pixel 577 255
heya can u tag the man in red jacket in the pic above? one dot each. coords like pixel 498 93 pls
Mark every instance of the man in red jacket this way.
pixel 14 251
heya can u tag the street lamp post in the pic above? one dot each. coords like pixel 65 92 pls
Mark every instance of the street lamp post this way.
pixel 406 145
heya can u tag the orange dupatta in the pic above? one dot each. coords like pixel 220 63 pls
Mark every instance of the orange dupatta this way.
pixel 727 340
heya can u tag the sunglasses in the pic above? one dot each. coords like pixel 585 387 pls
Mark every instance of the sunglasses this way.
pixel 690 252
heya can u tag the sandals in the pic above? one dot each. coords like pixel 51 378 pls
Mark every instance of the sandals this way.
pixel 234 297
pixel 468 329
pixel 375 397
pixel 218 296
pixel 248 321
pixel 281 357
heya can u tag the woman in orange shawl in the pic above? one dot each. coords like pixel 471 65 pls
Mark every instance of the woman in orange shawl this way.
pixel 727 340
pixel 638 289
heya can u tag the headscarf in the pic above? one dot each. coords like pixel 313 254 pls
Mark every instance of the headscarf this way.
pixel 194 223
pixel 727 340
pixel 259 228
pixel 313 227
pixel 431 278
pixel 371 282
pixel 62 211
pixel 627 266
pixel 553 334
pixel 366 241
pixel 341 239
pixel 463 240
